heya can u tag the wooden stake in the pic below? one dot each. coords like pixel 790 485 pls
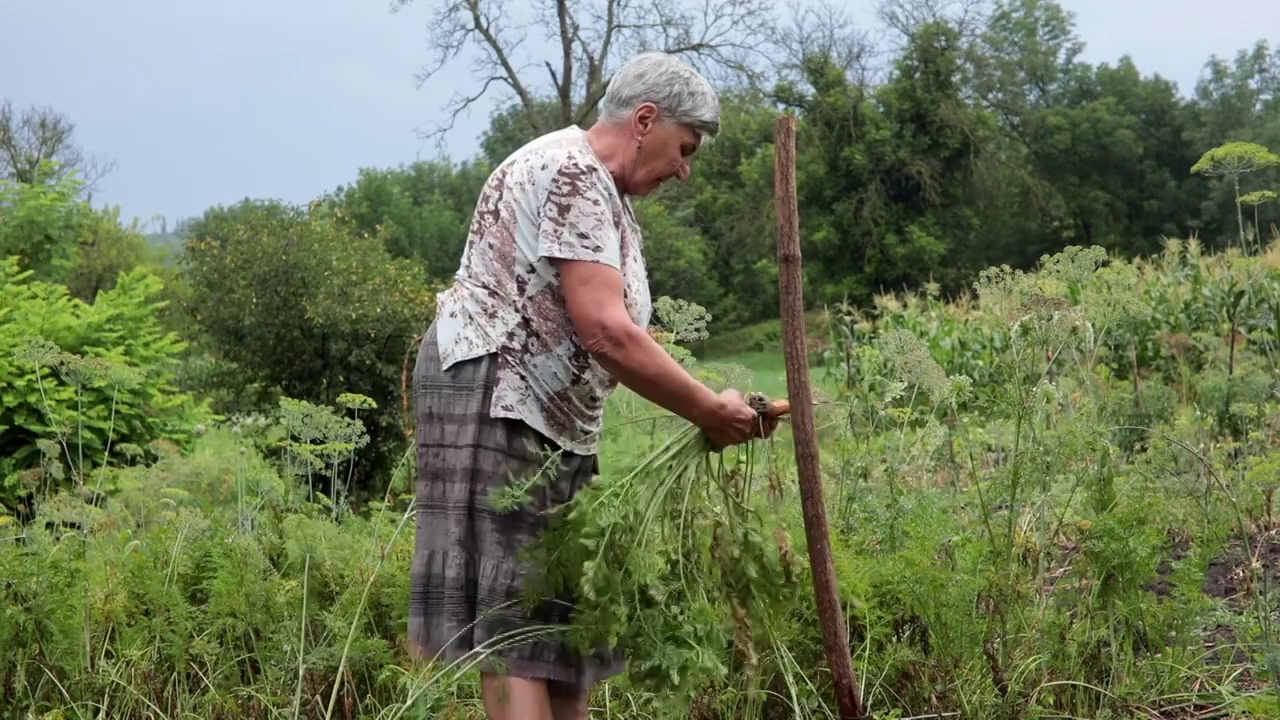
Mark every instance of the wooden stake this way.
pixel 835 642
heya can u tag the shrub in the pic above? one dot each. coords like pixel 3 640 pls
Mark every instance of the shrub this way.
pixel 296 302
pixel 79 382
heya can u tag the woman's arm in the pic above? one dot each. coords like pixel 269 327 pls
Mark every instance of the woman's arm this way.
pixel 593 295
pixel 577 232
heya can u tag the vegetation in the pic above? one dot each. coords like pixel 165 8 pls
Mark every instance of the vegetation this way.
pixel 1047 426
pixel 1023 526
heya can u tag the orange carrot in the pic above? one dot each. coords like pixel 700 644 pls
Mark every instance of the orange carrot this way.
pixel 779 408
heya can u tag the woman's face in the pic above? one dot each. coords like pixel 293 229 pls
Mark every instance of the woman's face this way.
pixel 665 150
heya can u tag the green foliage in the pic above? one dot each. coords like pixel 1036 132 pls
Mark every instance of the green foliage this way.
pixel 1055 536
pixel 56 234
pixel 673 547
pixel 676 253
pixel 206 587
pixel 296 301
pixel 1041 505
pixel 1051 515
pixel 421 211
pixel 1047 431
pixel 104 250
pixel 1235 158
pixel 79 381
pixel 678 323
pixel 983 145
pixel 712 239
pixel 1258 197
pixel 42 224
pixel 509 128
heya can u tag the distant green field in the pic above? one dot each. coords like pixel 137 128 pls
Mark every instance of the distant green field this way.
pixel 757 352
pixel 767 373
pixel 761 337
pixel 763 371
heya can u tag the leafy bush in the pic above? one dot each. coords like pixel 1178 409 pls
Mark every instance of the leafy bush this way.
pixel 290 299
pixel 80 382
pixel 42 224
pixel 1059 538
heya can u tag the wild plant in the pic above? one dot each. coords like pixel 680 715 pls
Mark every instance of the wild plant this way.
pixel 1038 461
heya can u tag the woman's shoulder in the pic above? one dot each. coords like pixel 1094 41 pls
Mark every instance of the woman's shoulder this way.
pixel 553 156
pixel 567 141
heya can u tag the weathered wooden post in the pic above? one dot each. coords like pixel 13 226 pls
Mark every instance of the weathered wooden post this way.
pixel 835 641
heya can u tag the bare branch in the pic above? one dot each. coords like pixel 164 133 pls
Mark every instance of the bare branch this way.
pixel 485 25
pixel 826 30
pixel 904 16
pixel 597 54
pixel 725 39
pixel 564 86
pixel 457 105
pixel 459 25
pixel 38 135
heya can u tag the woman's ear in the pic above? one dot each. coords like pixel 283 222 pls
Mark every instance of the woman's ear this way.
pixel 646 116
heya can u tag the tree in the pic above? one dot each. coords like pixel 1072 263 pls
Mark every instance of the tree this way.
pixel 1232 160
pixel 887 178
pixel 42 223
pixel 967 17
pixel 1027 53
pixel 106 249
pixel 420 211
pixel 305 306
pixel 728 202
pixel 91 378
pixel 823 30
pixel 1239 101
pixel 37 146
pixel 1113 148
pixel 509 128
pixel 676 254
pixel 724 38
pixel 1096 154
pixel 1238 96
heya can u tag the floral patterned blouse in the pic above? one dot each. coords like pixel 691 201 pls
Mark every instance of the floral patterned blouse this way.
pixel 553 198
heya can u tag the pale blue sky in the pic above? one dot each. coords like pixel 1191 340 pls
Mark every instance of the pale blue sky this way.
pixel 204 102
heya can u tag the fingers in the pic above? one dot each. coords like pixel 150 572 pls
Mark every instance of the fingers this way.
pixel 761 428
pixel 743 421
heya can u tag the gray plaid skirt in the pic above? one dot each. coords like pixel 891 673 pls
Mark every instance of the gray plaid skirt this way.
pixel 466 587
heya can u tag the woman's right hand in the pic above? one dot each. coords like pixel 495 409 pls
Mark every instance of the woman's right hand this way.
pixel 593 295
pixel 731 422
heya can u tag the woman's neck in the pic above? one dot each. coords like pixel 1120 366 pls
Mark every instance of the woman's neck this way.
pixel 614 150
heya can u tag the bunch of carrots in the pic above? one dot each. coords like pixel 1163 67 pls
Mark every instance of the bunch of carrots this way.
pixel 672 561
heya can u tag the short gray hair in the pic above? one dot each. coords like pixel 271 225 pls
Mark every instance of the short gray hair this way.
pixel 680 92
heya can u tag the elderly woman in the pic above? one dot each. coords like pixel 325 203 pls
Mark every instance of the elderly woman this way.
pixel 547 314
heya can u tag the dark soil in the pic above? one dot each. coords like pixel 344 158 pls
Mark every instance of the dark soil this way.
pixel 1179 546
pixel 1229 577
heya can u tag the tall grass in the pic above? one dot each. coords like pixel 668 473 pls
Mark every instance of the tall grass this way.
pixel 1054 498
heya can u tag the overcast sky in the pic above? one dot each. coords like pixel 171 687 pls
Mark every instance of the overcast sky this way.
pixel 204 102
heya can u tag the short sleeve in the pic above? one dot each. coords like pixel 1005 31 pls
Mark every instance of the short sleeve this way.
pixel 577 217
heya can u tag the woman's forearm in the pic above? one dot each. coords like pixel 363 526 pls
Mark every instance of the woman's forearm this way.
pixel 637 360
pixel 594 300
